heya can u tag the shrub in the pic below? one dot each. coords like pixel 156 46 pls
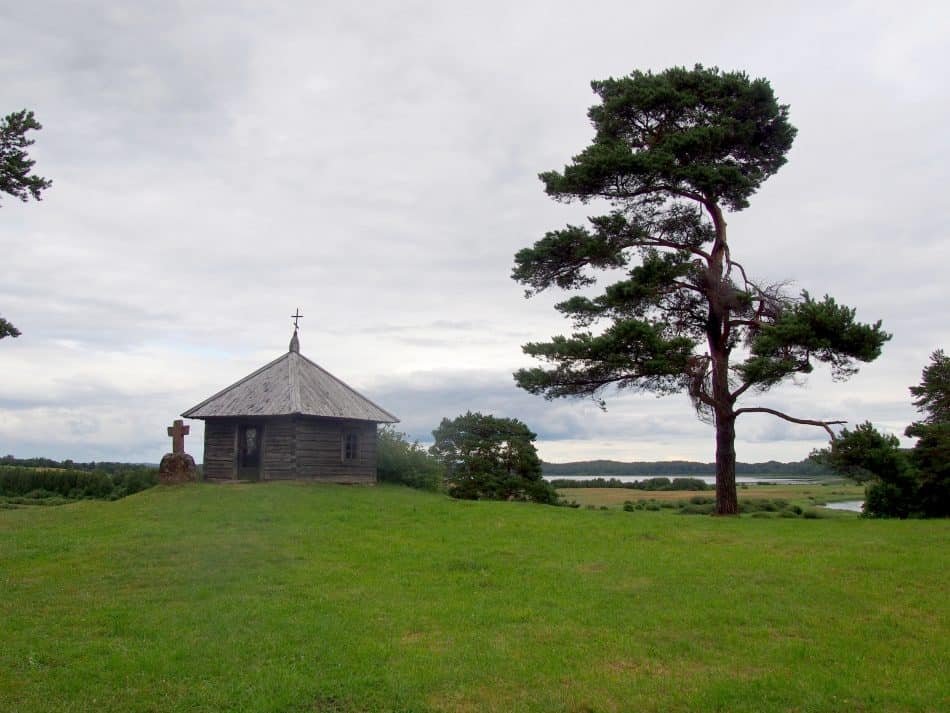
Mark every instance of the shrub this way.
pixel 689 484
pixel 40 494
pixel 691 509
pixel 400 461
pixel 628 506
pixel 765 505
pixel 133 481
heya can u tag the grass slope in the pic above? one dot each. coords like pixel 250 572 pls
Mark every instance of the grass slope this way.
pixel 292 597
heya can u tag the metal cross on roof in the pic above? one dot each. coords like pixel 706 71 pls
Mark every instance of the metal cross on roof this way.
pixel 295 317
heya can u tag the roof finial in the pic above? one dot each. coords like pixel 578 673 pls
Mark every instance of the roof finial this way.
pixel 294 342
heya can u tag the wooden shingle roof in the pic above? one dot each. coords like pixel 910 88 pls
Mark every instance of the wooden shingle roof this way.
pixel 291 384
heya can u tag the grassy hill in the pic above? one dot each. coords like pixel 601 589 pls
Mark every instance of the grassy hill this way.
pixel 292 597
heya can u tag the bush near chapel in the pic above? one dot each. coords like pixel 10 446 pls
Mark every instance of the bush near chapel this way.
pixel 405 463
pixel 489 458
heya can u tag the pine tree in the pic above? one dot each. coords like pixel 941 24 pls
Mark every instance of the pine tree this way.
pixel 673 152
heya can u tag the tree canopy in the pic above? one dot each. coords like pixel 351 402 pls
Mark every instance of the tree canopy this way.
pixel 932 396
pixel 903 483
pixel 7 329
pixel 672 151
pixel 931 454
pixel 489 458
pixel 16 165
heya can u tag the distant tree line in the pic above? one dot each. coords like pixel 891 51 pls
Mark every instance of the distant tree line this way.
pixel 806 468
pixel 104 466
pixel 648 484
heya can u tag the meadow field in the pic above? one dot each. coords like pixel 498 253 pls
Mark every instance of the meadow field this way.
pixel 297 598
pixel 806 495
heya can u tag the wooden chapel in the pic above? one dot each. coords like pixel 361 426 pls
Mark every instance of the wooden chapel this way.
pixel 290 419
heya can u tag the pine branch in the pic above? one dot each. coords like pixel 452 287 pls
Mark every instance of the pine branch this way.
pixel 804 421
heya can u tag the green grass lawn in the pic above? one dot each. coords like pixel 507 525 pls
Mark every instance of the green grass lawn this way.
pixel 292 597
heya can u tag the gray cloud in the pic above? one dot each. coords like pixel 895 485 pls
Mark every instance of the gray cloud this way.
pixel 218 164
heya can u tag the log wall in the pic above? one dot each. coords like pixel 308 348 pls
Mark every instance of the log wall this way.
pixel 279 457
pixel 320 450
pixel 295 447
pixel 220 445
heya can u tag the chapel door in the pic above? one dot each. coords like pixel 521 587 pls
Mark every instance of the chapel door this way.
pixel 250 441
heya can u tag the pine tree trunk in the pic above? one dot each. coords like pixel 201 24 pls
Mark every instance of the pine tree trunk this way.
pixel 727 501
pixel 718 336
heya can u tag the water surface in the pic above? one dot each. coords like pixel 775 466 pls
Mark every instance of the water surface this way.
pixel 708 479
pixel 849 505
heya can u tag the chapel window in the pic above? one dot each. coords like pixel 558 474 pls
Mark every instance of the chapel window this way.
pixel 351 447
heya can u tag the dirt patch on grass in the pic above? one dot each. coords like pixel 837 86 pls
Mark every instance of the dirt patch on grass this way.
pixel 332 704
pixel 427 640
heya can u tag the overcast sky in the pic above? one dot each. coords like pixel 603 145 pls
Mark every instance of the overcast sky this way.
pixel 217 165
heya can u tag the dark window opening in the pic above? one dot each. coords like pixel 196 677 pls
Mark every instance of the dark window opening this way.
pixel 351 446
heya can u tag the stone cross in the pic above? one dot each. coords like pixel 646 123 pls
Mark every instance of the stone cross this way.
pixel 178 431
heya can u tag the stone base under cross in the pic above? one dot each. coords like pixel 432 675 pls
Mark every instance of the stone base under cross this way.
pixel 177 468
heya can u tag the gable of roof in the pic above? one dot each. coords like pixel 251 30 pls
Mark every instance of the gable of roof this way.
pixel 291 384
